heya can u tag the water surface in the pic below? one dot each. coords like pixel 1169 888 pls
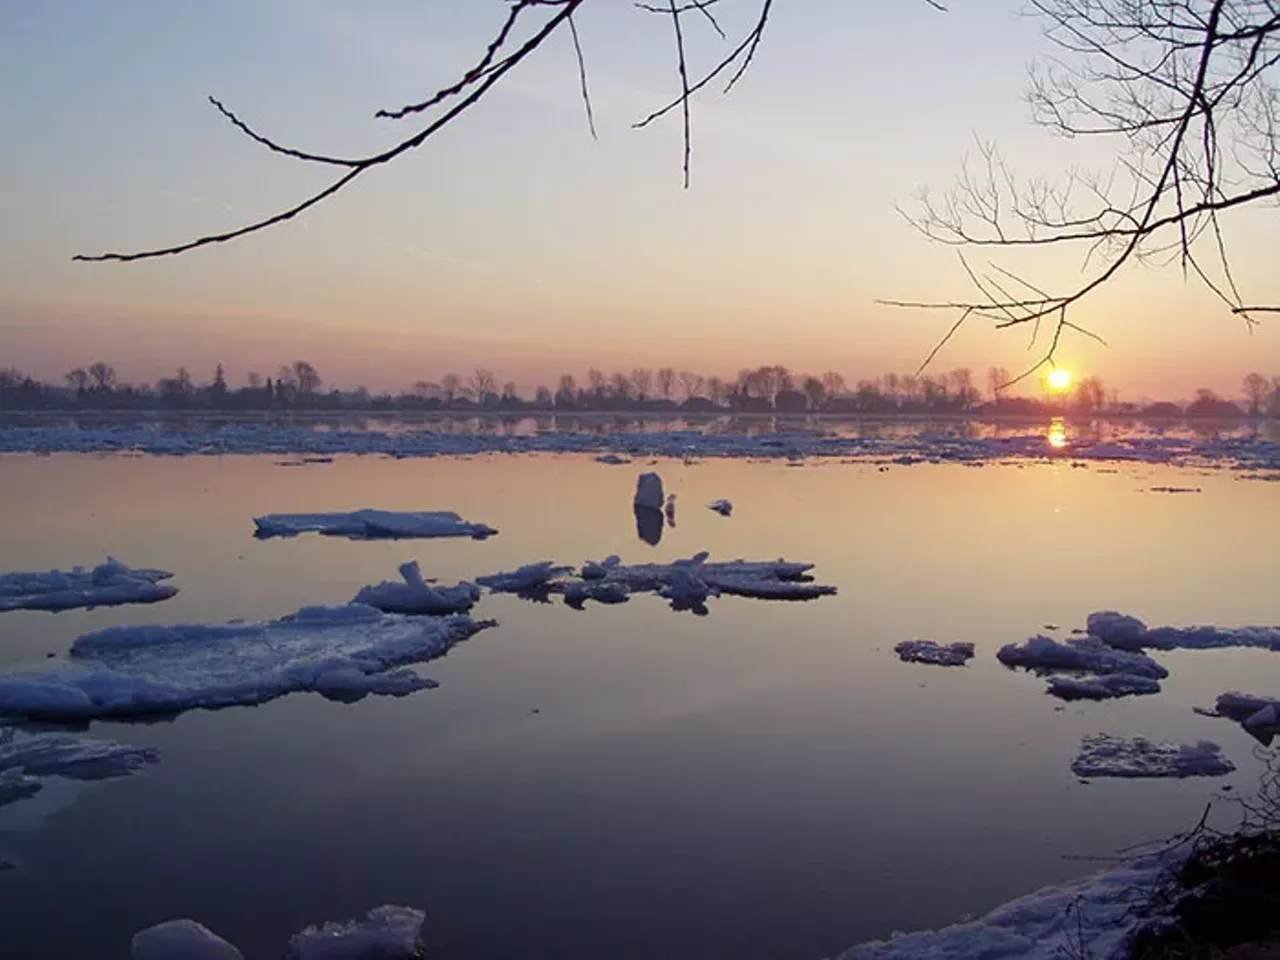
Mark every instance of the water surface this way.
pixel 767 781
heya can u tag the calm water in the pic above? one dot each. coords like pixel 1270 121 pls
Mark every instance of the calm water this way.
pixel 768 781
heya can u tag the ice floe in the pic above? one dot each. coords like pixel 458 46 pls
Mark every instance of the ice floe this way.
pixel 1086 654
pixel 27 756
pixel 688 583
pixel 1130 633
pixel 1095 916
pixel 722 507
pixel 108 584
pixel 181 940
pixel 578 592
pixel 386 933
pixel 342 652
pixel 371 525
pixel 939 654
pixel 1106 687
pixel 413 594
pixel 1104 755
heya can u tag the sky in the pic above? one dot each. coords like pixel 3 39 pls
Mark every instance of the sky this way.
pixel 516 241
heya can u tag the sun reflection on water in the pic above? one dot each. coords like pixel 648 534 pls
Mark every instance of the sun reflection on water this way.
pixel 1057 435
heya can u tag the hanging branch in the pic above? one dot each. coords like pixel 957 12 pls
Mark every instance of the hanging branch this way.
pixel 537 21
pixel 1187 86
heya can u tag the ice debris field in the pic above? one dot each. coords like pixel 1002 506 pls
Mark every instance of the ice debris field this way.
pixel 1248 453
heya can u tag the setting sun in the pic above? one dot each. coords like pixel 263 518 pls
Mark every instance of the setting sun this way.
pixel 1059 378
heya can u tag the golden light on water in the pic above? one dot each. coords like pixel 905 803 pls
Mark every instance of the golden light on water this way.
pixel 1057 435
pixel 1059 378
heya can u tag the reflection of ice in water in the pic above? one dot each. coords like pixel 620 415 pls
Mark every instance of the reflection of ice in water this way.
pixel 1058 434
pixel 58 794
pixel 649 525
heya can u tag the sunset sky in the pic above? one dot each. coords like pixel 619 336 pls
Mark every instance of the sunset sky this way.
pixel 517 242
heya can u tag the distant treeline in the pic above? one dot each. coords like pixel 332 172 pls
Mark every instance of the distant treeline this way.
pixel 769 389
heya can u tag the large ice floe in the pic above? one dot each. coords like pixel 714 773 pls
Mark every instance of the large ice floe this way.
pixel 386 933
pixel 1260 716
pixel 1093 669
pixel 930 651
pixel 1095 917
pixel 343 653
pixel 413 594
pixel 28 756
pixel 108 584
pixel 1104 755
pixel 371 525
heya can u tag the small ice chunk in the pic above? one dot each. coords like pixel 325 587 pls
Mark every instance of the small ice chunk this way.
pixel 1116 629
pixel 108 584
pixel 722 507
pixel 532 576
pixel 1247 709
pixel 181 940
pixel 386 933
pixel 649 495
pixel 612 458
pixel 1087 654
pixel 126 671
pixel 1104 755
pixel 415 595
pixel 371 525
pixel 745 586
pixel 670 509
pixel 929 651
pixel 1106 687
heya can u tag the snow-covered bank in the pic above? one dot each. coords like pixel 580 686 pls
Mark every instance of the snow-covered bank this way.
pixel 1243 452
pixel 106 585
pixel 340 652
pixel 1093 917
pixel 372 525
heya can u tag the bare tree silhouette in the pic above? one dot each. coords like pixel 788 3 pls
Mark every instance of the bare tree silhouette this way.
pixel 1187 88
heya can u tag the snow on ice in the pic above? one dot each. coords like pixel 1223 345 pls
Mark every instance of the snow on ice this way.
pixel 108 584
pixel 939 654
pixel 340 652
pixel 371 525
pixel 1094 916
pixel 413 594
pixel 1104 755
pixel 386 933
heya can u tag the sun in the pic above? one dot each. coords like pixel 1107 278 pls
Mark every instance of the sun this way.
pixel 1060 378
